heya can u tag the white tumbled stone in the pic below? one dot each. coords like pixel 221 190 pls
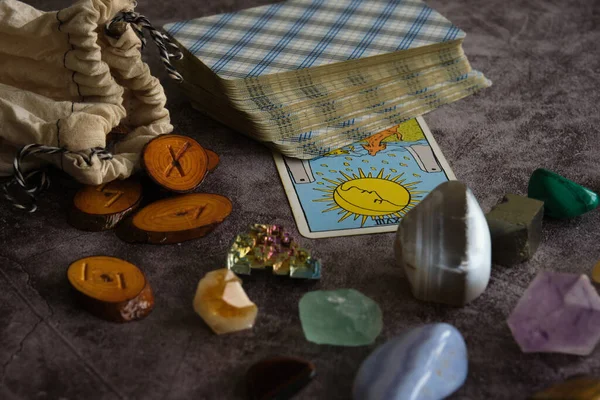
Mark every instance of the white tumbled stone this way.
pixel 444 246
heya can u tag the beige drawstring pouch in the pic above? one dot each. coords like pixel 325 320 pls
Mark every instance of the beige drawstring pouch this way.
pixel 67 79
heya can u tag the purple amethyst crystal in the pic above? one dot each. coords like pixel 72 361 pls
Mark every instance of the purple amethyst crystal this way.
pixel 558 313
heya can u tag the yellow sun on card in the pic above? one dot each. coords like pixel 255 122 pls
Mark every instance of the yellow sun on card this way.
pixel 369 196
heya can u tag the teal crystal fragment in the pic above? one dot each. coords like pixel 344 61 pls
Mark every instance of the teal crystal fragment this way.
pixel 311 269
pixel 343 317
pixel 269 246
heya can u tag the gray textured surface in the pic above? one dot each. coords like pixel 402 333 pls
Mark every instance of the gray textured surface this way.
pixel 544 60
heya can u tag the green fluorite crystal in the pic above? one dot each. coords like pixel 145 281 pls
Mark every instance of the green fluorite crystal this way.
pixel 343 317
pixel 562 198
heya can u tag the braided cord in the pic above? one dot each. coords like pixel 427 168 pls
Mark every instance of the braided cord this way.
pixel 33 187
pixel 163 43
pixel 35 182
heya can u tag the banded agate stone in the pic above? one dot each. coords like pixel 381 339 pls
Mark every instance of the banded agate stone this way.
pixel 444 246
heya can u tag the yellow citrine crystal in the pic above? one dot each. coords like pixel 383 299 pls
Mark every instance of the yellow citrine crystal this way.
pixel 223 304
pixel 578 388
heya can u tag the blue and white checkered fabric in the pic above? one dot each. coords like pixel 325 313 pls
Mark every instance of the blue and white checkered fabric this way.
pixel 300 34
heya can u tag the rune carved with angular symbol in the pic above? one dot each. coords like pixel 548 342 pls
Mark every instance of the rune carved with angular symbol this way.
pixel 193 212
pixel 175 163
pixel 116 194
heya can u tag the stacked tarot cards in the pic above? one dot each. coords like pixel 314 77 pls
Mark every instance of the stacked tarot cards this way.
pixel 308 76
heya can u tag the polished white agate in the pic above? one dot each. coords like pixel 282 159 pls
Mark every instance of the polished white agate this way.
pixel 444 246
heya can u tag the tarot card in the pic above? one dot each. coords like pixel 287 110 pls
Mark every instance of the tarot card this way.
pixel 366 187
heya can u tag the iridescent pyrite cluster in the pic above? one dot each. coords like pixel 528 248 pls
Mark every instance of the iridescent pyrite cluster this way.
pixel 268 246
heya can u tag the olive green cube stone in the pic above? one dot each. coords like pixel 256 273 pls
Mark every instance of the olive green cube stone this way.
pixel 516 229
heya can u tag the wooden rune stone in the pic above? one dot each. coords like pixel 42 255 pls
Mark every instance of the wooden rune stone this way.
pixel 111 288
pixel 98 208
pixel 516 229
pixel 177 163
pixel 213 160
pixel 176 219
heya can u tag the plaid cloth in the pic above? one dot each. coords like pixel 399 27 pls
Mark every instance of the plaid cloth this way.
pixel 299 34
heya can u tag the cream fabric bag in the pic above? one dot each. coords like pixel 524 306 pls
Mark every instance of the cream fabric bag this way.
pixel 66 83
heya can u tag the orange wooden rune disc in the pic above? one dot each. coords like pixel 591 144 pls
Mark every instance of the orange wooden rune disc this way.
pixel 213 159
pixel 107 279
pixel 110 198
pixel 177 163
pixel 183 213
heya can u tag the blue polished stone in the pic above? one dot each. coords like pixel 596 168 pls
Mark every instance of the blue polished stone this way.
pixel 424 363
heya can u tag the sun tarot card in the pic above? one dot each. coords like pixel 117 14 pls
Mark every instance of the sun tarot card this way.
pixel 366 187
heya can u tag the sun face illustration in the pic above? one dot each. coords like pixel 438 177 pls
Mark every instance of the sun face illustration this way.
pixel 369 196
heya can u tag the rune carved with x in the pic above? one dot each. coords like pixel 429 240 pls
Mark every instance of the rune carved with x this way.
pixel 175 160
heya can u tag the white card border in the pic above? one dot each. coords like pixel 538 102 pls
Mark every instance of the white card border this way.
pixel 298 212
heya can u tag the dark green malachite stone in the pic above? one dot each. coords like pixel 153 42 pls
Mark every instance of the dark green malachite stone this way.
pixel 515 228
pixel 562 198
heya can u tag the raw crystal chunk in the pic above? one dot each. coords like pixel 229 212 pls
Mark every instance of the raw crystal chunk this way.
pixel 268 246
pixel 558 313
pixel 303 266
pixel 343 317
pixel 516 229
pixel 222 303
pixel 562 198
pixel 425 363
pixel 580 388
pixel 444 246
pixel 278 378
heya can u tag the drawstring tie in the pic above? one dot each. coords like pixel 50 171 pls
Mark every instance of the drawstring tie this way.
pixel 35 182
pixel 139 23
pixel 30 187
